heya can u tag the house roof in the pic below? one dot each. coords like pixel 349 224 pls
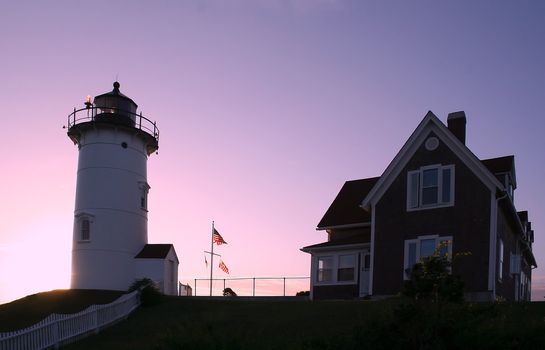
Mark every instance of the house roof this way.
pixel 523 215
pixel 345 209
pixel 500 165
pixel 154 251
pixel 357 239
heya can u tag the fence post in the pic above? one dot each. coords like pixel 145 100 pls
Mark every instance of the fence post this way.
pixel 253 291
pixel 95 319
pixel 56 334
pixel 284 286
pixel 195 287
pixel 223 284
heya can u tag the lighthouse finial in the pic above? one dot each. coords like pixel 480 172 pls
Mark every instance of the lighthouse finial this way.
pixel 116 85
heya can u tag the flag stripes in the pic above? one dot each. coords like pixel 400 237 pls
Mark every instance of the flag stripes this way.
pixel 217 238
pixel 223 267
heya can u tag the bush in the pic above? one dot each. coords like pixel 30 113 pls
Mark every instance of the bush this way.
pixel 149 293
pixel 305 293
pixel 228 292
pixel 431 279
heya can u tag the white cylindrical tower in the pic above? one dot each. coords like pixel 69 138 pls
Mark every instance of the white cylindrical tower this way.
pixel 110 216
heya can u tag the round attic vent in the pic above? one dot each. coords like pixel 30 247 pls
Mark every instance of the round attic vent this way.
pixel 432 143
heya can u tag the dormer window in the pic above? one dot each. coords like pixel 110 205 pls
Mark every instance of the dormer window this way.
pixel 430 187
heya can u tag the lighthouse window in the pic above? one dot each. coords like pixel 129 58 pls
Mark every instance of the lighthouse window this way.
pixel 144 189
pixel 85 230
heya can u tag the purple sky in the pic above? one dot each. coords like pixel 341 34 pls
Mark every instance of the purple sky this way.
pixel 265 108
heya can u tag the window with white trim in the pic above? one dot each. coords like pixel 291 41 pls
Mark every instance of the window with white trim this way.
pixel 346 268
pixel 422 247
pixel 337 268
pixel 325 269
pixel 430 186
pixel 144 190
pixel 83 225
pixel 500 259
pixel 85 230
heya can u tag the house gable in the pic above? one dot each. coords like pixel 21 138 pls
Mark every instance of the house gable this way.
pixel 430 124
pixel 466 222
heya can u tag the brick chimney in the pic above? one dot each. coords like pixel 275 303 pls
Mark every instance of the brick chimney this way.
pixel 457 125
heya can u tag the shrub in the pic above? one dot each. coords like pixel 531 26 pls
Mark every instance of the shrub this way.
pixel 431 279
pixel 305 293
pixel 149 293
pixel 228 292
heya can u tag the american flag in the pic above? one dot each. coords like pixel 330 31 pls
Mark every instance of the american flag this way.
pixel 217 238
pixel 224 267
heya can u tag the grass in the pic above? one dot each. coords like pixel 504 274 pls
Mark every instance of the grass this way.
pixel 32 309
pixel 232 323
pixel 193 323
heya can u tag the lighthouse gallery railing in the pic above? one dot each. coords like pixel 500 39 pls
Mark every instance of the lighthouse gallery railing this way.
pixel 90 114
pixel 58 329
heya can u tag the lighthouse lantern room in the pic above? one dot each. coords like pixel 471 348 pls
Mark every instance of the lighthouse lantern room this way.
pixel 111 208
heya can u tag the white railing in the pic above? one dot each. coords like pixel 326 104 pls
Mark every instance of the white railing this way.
pixel 58 329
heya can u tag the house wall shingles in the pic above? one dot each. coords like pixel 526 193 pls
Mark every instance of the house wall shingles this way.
pixel 468 222
pixel 506 288
pixel 339 234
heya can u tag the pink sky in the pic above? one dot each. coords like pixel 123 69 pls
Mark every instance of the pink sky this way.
pixel 265 108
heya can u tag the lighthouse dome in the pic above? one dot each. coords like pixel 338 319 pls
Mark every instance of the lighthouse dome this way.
pixel 113 111
pixel 115 107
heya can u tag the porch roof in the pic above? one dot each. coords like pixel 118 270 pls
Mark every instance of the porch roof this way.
pixel 354 240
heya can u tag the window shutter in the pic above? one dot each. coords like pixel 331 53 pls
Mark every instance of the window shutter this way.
pixel 514 264
pixel 446 182
pixel 412 189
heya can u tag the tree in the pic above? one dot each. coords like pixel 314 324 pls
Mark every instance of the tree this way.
pixel 431 279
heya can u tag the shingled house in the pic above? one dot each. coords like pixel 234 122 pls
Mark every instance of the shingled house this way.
pixel 435 194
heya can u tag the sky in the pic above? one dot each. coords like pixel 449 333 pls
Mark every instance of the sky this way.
pixel 265 108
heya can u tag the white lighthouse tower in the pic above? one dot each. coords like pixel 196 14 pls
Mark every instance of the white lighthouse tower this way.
pixel 111 209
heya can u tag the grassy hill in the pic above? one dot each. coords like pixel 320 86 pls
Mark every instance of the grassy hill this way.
pixel 32 309
pixel 194 323
pixel 235 323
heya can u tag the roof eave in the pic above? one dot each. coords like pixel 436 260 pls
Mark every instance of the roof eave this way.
pixel 334 247
pixel 346 226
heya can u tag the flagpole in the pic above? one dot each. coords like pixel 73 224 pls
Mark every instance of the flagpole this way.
pixel 211 256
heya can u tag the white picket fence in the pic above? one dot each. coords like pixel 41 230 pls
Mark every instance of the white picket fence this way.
pixel 58 329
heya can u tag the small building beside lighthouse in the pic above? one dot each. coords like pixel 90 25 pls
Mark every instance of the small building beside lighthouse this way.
pixel 110 246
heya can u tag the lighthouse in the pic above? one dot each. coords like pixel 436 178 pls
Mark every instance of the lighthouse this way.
pixel 110 236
